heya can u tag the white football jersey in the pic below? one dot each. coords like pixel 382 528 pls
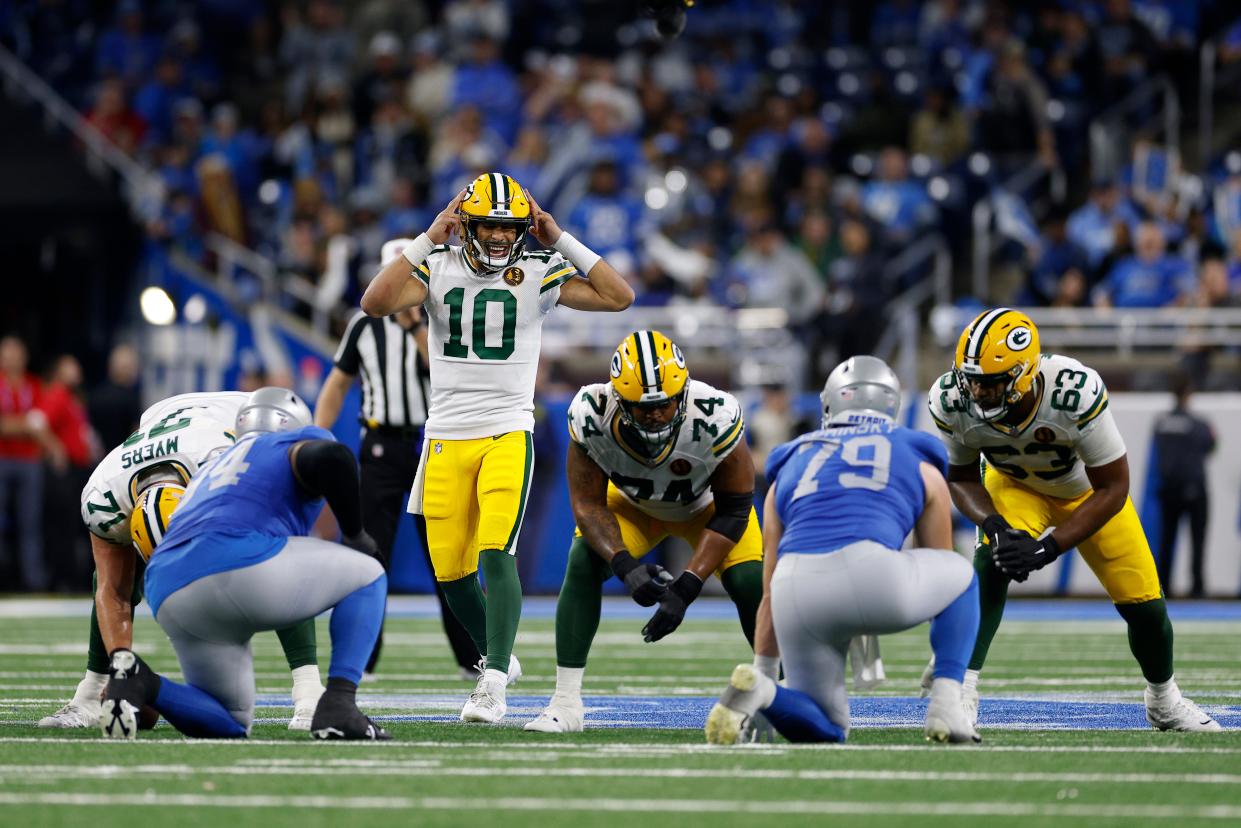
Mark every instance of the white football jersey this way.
pixel 673 486
pixel 184 431
pixel 484 340
pixel 1069 430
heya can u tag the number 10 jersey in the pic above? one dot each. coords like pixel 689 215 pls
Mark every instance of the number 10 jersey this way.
pixel 1069 430
pixel 485 334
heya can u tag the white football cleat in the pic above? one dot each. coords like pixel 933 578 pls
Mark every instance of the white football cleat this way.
pixel 74 714
pixel 946 716
pixel 748 692
pixel 514 670
pixel 1179 714
pixel 868 672
pixel 928 676
pixel 562 715
pixel 118 719
pixel 487 703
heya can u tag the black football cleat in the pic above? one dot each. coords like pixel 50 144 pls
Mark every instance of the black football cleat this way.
pixel 337 717
pixel 131 687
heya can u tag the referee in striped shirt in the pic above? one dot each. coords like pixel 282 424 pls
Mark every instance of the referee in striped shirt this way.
pixel 390 354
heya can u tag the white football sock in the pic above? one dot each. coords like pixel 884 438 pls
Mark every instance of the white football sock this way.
pixel 1165 690
pixel 90 687
pixel 768 666
pixel 306 681
pixel 971 680
pixel 569 681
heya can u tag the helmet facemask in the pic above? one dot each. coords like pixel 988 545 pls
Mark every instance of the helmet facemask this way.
pixel 654 440
pixel 1002 390
pixel 494 254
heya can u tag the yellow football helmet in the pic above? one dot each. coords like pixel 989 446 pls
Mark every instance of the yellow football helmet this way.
pixel 648 371
pixel 152 511
pixel 996 362
pixel 494 199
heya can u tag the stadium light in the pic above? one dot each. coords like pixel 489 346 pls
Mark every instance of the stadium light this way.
pixel 195 309
pixel 157 307
pixel 657 198
pixel 1055 110
pixel 675 180
pixel 979 164
pixel 938 188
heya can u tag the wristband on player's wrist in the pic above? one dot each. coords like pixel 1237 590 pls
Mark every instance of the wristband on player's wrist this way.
pixel 416 252
pixel 687 586
pixel 767 665
pixel 623 563
pixel 582 257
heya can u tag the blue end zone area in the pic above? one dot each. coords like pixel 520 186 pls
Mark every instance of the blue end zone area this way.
pixel 691 711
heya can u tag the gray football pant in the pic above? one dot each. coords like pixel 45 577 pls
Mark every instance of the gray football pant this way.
pixel 211 621
pixel 820 602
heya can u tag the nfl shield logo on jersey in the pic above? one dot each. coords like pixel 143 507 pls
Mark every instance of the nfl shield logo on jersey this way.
pixel 681 466
pixel 514 276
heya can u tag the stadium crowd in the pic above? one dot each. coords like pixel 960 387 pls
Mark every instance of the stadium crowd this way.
pixel 761 159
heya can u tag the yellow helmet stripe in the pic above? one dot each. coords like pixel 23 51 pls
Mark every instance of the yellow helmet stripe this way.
pixel 978 336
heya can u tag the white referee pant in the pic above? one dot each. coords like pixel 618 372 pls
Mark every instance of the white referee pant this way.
pixel 821 601
pixel 211 621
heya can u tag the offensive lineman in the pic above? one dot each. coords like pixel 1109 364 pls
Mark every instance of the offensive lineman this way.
pixel 175 437
pixel 485 302
pixel 1055 476
pixel 841 503
pixel 653 454
pixel 236 560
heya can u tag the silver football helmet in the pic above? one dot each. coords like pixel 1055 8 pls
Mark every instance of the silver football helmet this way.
pixel 860 388
pixel 272 409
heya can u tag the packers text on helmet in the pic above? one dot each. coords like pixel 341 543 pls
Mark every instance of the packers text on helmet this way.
pixel 152 510
pixel 495 201
pixel 650 383
pixel 996 362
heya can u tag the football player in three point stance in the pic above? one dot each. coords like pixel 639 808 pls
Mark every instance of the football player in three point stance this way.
pixel 485 302
pixel 236 560
pixel 653 454
pixel 1055 476
pixel 174 438
pixel 841 502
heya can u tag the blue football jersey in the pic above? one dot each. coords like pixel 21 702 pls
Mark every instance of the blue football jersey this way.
pixel 239 510
pixel 837 486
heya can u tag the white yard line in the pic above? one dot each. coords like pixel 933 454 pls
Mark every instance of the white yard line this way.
pixel 465 804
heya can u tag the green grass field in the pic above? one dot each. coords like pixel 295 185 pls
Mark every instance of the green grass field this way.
pixel 1047 682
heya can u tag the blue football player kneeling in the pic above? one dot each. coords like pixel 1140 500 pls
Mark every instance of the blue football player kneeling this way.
pixel 236 560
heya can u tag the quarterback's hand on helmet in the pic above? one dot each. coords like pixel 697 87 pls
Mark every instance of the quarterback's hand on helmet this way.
pixel 1021 554
pixel 364 543
pixel 448 221
pixel 647 583
pixel 681 593
pixel 542 225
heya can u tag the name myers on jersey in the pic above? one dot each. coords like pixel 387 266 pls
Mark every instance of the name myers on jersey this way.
pixel 151 451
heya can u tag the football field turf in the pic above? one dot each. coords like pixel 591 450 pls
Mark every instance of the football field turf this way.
pixel 1065 741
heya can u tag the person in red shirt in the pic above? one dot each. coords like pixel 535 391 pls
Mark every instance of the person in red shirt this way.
pixel 66 550
pixel 24 437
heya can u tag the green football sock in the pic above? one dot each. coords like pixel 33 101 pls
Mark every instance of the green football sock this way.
pixel 466 600
pixel 1150 637
pixel 744 584
pixel 97 660
pixel 299 644
pixel 503 605
pixel 579 604
pixel 992 593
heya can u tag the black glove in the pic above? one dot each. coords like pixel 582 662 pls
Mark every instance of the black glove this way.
pixel 994 528
pixel 647 583
pixel 1020 554
pixel 365 544
pixel 672 607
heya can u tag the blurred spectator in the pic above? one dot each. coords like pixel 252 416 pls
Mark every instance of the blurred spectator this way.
pixel 607 220
pixel 407 216
pixel 1057 259
pixel 897 204
pixel 817 240
pixel 115 405
pixel 67 553
pixel 126 50
pixel 1181 446
pixel 488 84
pixel 770 424
pixel 472 17
pixel 769 272
pixel 112 116
pixel 1214 288
pixel 939 130
pixel 155 100
pixel 1126 46
pixel 240 149
pixel 1151 278
pixel 857 291
pixel 1094 226
pixel 313 48
pixel 24 437
pixel 202 73
pixel 1013 122
pixel 384 81
pixel 432 80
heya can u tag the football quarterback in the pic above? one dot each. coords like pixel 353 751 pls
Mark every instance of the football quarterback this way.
pixel 1053 476
pixel 485 303
pixel 653 454
pixel 126 505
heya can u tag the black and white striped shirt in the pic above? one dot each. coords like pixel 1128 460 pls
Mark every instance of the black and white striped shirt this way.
pixel 396 384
